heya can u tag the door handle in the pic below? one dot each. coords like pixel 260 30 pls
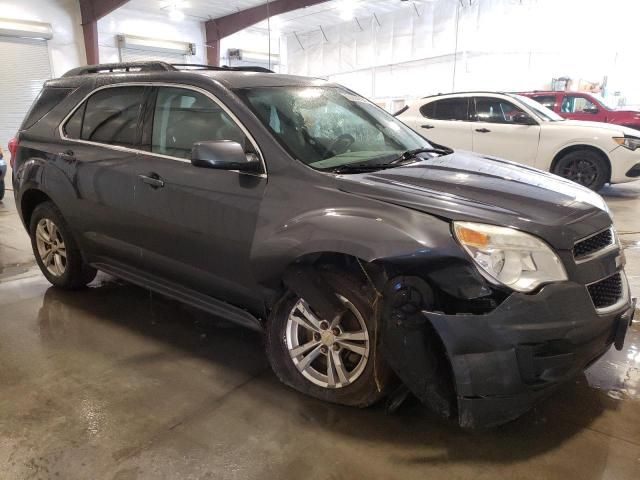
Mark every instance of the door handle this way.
pixel 428 127
pixel 482 130
pixel 152 179
pixel 67 154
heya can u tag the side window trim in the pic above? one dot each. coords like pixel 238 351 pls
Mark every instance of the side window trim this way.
pixel 154 86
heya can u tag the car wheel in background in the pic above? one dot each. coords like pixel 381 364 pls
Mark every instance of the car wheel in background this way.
pixel 338 362
pixel 55 249
pixel 585 167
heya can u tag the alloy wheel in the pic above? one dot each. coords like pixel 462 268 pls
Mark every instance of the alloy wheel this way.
pixel 582 171
pixel 51 247
pixel 329 353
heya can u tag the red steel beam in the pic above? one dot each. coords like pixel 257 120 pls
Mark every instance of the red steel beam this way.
pixel 92 11
pixel 218 28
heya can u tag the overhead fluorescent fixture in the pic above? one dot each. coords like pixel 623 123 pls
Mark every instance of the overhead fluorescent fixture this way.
pixel 252 56
pixel 156 45
pixel 25 29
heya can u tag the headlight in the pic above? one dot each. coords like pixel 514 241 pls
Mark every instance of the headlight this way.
pixel 632 143
pixel 510 257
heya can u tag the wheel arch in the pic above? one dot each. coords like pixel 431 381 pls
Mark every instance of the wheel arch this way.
pixel 29 200
pixel 581 146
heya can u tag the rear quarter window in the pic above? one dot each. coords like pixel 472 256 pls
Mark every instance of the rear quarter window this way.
pixel 48 98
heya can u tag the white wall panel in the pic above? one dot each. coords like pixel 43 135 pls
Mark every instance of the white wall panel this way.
pixel 501 44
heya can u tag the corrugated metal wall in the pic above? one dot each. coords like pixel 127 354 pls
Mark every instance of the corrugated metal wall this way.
pixel 24 67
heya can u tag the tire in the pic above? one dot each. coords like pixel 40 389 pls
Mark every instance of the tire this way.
pixel 1 188
pixel 55 249
pixel 585 167
pixel 369 382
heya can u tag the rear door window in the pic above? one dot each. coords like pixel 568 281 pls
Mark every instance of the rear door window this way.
pixel 447 109
pixel 110 116
pixel 548 101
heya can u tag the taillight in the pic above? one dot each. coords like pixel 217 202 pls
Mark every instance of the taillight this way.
pixel 13 148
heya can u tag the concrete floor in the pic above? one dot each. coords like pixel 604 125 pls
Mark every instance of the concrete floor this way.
pixel 117 383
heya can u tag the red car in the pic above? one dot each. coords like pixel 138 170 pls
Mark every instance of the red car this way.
pixel 585 106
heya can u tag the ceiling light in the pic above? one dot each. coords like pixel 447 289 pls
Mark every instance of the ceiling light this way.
pixel 347 9
pixel 176 15
pixel 175 7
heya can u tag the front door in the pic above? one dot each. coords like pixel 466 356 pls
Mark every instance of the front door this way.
pixel 496 133
pixel 579 107
pixel 195 225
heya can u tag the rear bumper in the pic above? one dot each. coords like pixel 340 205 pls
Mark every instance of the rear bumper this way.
pixel 505 360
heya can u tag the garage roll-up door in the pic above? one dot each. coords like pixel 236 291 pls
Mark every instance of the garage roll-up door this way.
pixel 133 55
pixel 24 67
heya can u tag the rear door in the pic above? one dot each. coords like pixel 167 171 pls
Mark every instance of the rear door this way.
pixel 446 122
pixel 496 133
pixel 195 225
pixel 577 106
pixel 99 145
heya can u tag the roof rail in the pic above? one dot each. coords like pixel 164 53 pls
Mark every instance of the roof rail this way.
pixel 121 67
pixel 247 68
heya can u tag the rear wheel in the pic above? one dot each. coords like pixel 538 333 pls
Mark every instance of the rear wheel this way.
pixel 55 249
pixel 585 167
pixel 334 360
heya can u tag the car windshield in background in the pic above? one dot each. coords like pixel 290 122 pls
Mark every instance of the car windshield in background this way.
pixel 330 127
pixel 543 112
pixel 612 103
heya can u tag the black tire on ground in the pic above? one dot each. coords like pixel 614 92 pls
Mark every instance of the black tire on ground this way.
pixel 76 273
pixel 376 378
pixel 1 188
pixel 584 166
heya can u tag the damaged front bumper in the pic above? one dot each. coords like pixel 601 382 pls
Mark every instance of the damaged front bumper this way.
pixel 505 360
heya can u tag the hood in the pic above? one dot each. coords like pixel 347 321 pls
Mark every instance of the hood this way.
pixel 464 186
pixel 611 128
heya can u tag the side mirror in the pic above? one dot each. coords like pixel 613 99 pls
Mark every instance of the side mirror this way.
pixel 591 110
pixel 223 155
pixel 523 119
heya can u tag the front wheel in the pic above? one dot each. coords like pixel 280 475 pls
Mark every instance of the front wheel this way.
pixel 55 249
pixel 585 167
pixel 337 361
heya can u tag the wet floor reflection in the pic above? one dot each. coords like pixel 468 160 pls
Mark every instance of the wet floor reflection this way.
pixel 101 320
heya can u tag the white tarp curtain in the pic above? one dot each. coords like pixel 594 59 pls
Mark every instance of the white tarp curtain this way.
pixel 500 44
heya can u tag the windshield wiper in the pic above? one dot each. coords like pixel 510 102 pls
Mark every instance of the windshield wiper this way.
pixel 350 168
pixel 409 154
pixel 397 162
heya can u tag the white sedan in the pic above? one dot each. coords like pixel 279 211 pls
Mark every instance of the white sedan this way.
pixel 520 129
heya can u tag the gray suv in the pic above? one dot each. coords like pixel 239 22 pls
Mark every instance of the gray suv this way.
pixel 374 261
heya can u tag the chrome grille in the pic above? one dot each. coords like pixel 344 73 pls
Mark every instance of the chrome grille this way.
pixel 593 244
pixel 607 292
